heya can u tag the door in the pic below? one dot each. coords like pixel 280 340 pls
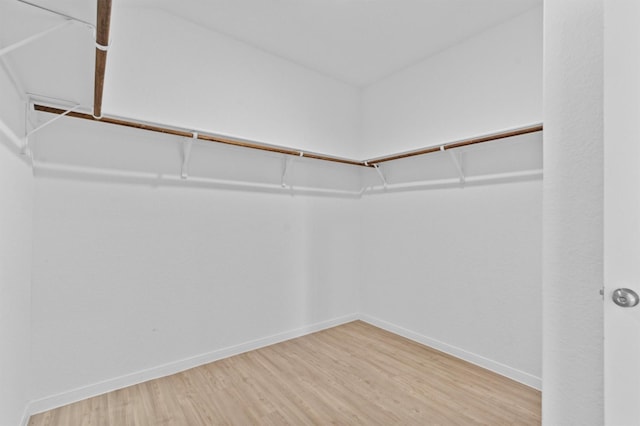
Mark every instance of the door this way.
pixel 622 210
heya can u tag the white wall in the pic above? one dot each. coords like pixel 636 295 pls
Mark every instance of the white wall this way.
pixel 573 213
pixel 129 277
pixel 459 269
pixel 127 257
pixel 213 82
pixel 16 192
pixel 621 208
pixel 490 82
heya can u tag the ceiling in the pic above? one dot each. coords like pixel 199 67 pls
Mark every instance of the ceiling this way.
pixel 355 41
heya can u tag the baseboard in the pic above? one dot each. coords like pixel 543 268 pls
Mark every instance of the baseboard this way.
pixel 85 392
pixel 26 415
pixel 502 369
pixel 78 394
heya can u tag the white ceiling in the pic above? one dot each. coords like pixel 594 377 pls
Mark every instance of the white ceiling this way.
pixel 355 41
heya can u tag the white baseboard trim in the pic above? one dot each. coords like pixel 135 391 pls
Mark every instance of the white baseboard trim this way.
pixel 26 415
pixel 502 369
pixel 78 394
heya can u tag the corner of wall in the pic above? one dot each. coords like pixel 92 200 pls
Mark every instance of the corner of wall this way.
pixel 573 223
pixel 16 250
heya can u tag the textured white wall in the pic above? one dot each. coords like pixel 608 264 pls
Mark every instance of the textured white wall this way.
pixel 234 88
pixel 622 208
pixel 489 82
pixel 573 213
pixel 460 267
pixel 16 206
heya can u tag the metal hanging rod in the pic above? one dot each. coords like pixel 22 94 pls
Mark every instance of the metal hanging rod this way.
pixel 284 150
pixel 174 180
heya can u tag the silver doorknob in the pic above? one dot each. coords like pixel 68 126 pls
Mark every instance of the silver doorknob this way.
pixel 625 297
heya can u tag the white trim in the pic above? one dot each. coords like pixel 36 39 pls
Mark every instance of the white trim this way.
pixel 497 367
pixel 508 177
pixel 78 394
pixel 26 415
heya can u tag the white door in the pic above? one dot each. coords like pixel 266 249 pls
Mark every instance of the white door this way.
pixel 622 210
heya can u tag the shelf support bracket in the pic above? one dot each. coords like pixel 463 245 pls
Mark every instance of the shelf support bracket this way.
pixel 34 37
pixel 56 118
pixel 186 155
pixel 25 148
pixel 286 161
pixel 382 177
pixel 456 160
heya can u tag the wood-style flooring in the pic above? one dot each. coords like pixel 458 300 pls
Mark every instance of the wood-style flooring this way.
pixel 350 374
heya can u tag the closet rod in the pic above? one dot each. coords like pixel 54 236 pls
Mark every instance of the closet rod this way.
pixel 458 144
pixel 201 136
pixel 103 24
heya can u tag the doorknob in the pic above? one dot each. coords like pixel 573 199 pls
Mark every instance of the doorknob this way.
pixel 625 297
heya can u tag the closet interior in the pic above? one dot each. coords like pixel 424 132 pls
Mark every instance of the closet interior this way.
pixel 188 182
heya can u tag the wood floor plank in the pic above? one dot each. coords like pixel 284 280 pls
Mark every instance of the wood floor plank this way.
pixel 353 374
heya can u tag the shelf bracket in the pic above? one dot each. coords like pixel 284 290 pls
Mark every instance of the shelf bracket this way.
pixel 56 118
pixel 382 177
pixel 456 159
pixel 186 155
pixel 286 161
pixel 25 147
pixel 34 37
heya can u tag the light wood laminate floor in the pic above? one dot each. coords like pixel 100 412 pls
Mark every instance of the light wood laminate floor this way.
pixel 351 374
